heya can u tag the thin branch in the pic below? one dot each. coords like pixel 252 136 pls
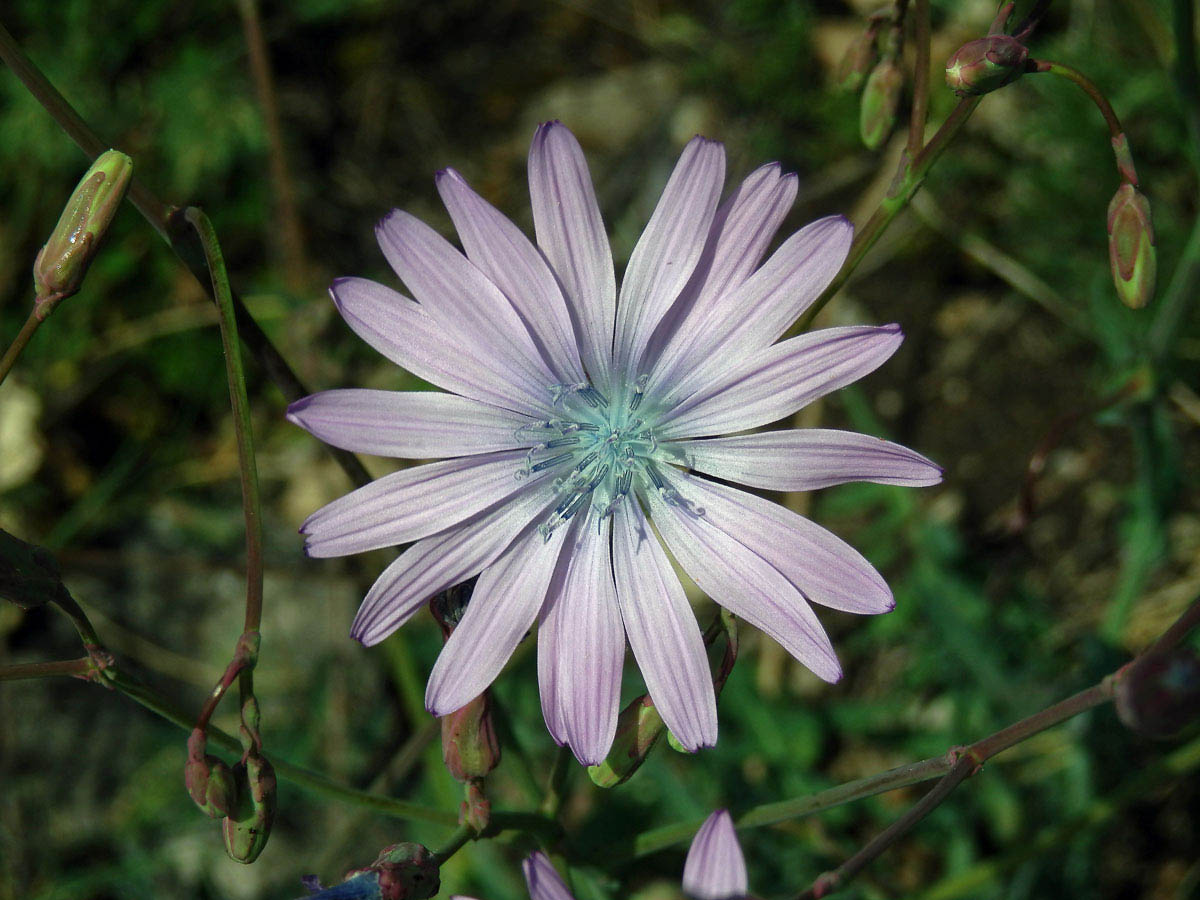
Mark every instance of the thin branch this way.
pixel 920 103
pixel 18 345
pixel 82 667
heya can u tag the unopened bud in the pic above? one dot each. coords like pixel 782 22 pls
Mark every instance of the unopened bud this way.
pixel 407 871
pixel 983 65
pixel 248 824
pixel 1159 695
pixel 1131 246
pixel 860 56
pixel 470 747
pixel 639 726
pixel 880 99
pixel 60 266
pixel 210 782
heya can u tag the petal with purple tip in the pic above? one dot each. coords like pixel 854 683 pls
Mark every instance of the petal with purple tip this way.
pixel 808 459
pixel 715 868
pixel 407 424
pixel 662 631
pixel 581 646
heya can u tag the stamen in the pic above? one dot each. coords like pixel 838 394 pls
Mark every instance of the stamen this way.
pixel 639 389
pixel 550 463
pixel 560 442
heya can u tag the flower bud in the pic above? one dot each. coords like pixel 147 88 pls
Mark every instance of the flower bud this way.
pixel 1131 246
pixel 1159 695
pixel 639 726
pixel 248 824
pixel 860 56
pixel 983 65
pixel 60 266
pixel 470 747
pixel 407 871
pixel 880 98
pixel 210 782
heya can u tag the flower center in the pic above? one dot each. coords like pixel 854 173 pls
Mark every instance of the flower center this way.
pixel 600 451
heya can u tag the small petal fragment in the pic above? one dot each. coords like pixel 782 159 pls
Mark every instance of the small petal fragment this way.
pixel 581 646
pixel 440 561
pixel 715 868
pixel 809 459
pixel 570 231
pixel 407 424
pixel 506 600
pixel 668 250
pixel 543 881
pixel 781 379
pixel 662 631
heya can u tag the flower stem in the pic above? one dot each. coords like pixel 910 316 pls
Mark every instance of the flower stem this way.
pixel 83 666
pixel 908 180
pixel 920 103
pixel 553 800
pixel 1089 88
pixel 462 836
pixel 18 345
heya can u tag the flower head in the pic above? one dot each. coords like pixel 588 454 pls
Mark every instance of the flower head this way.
pixel 574 417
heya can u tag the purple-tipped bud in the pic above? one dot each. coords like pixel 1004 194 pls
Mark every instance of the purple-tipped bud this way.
pixel 880 99
pixel 470 747
pixel 248 824
pixel 1159 695
pixel 983 65
pixel 715 868
pixel 1131 252
pixel 407 871
pixel 60 266
pixel 860 56
pixel 639 726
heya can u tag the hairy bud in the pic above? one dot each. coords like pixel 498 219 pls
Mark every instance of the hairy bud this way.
pixel 1131 252
pixel 639 727
pixel 60 266
pixel 470 747
pixel 983 65
pixel 1159 695
pixel 880 99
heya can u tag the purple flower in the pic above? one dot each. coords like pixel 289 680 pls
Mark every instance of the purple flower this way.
pixel 571 420
pixel 714 870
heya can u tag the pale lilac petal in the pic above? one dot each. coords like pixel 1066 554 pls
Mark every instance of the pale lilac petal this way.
pixel 662 631
pixel 752 317
pixel 543 881
pixel 408 424
pixel 570 231
pixel 715 868
pixel 667 252
pixel 413 503
pixel 506 599
pixel 581 646
pixel 821 565
pixel 501 251
pixel 462 299
pixel 808 459
pixel 443 560
pixel 743 227
pixel 780 380
pixel 401 330
pixel 744 583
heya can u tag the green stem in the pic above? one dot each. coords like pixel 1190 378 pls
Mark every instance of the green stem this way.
pixel 553 800
pixel 18 345
pixel 920 104
pixel 236 375
pixel 158 214
pixel 1089 88
pixel 907 182
pixel 84 666
pixel 462 836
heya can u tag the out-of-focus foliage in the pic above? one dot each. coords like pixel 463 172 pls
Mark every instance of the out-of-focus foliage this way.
pixel 118 452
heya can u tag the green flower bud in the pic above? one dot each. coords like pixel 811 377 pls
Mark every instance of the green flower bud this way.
pixel 1131 246
pixel 983 65
pixel 880 98
pixel 60 266
pixel 639 726
pixel 860 56
pixel 1159 695
pixel 470 747
pixel 248 824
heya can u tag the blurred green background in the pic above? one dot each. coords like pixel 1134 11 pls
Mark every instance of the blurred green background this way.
pixel 117 453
